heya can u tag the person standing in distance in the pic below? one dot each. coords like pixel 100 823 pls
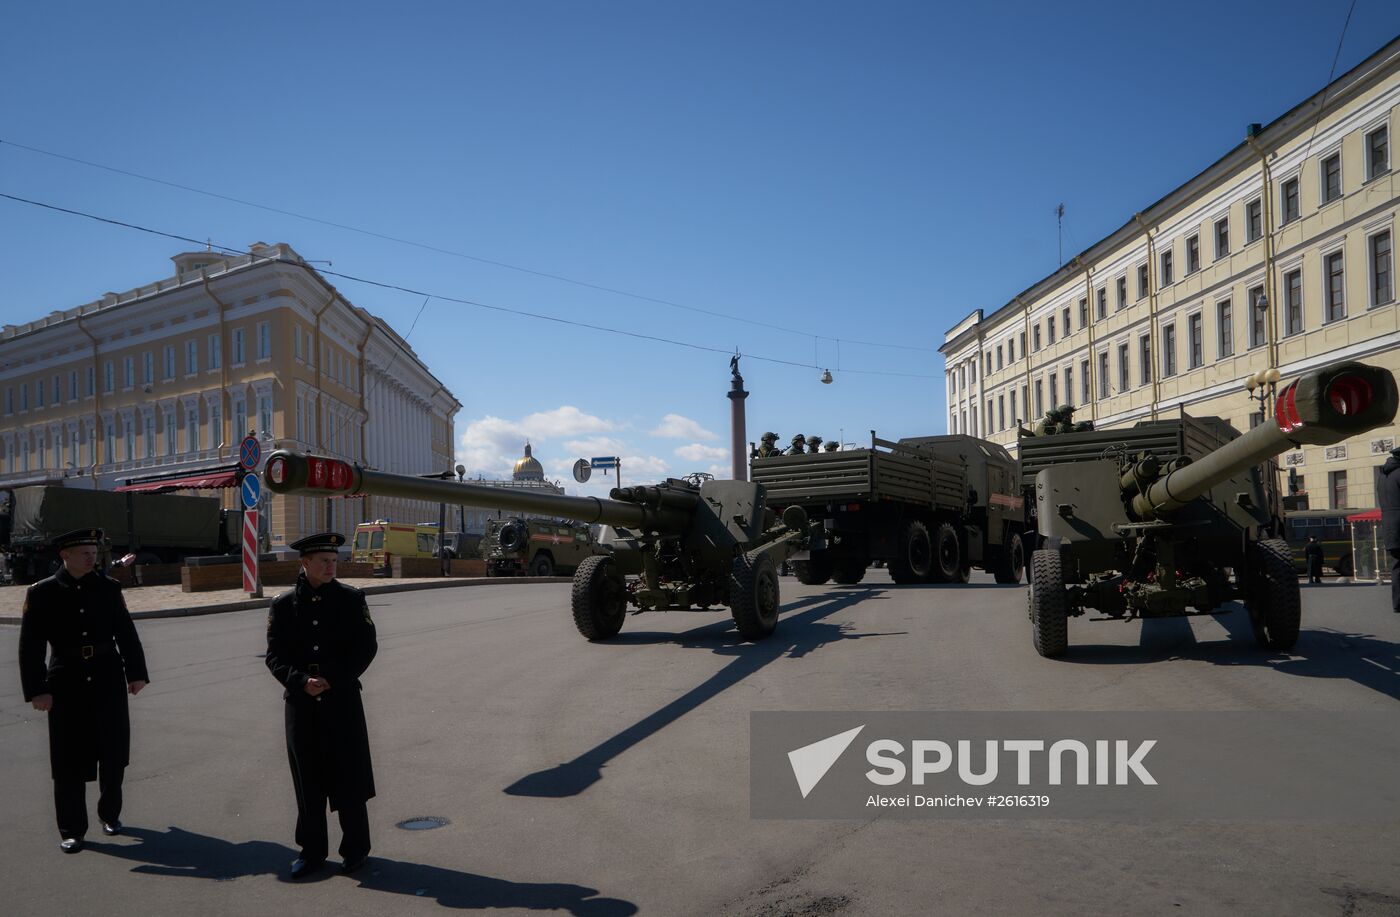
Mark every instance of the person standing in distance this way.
pixel 1388 496
pixel 1313 553
pixel 96 662
pixel 320 640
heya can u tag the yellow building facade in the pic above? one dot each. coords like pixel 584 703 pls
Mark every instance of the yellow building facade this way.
pixel 168 378
pixel 1281 254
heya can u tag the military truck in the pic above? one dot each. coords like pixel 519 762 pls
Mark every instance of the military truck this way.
pixel 1177 516
pixel 156 528
pixel 540 547
pixel 931 507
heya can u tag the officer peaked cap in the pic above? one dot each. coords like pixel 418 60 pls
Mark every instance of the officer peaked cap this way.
pixel 78 537
pixel 313 544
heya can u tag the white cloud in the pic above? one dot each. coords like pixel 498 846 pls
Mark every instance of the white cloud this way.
pixel 674 426
pixel 564 421
pixel 595 445
pixel 698 453
pixel 491 445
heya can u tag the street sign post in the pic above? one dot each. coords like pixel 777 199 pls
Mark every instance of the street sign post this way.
pixel 251 491
pixel 582 471
pixel 605 462
pixel 249 453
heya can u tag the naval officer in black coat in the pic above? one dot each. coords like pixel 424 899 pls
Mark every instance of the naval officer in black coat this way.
pixel 320 640
pixel 96 662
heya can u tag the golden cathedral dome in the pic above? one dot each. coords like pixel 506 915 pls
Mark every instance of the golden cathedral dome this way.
pixel 528 468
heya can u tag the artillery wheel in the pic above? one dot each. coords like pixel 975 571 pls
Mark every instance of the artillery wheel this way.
pixel 947 563
pixel 1013 562
pixel 1275 607
pixel 753 594
pixel 850 572
pixel 542 565
pixel 599 601
pixel 1344 566
pixel 814 571
pixel 1048 604
pixel 914 562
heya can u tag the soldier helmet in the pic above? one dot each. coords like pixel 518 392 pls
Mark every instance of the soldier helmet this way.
pixel 832 445
pixel 1065 409
pixel 799 438
pixel 769 437
pixel 814 440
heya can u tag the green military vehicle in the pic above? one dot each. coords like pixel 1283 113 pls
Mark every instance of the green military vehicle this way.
pixel 930 507
pixel 537 547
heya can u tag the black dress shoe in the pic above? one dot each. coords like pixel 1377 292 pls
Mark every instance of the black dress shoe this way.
pixel 112 828
pixel 71 844
pixel 302 868
pixel 353 865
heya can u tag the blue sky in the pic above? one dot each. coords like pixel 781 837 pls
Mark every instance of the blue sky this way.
pixel 868 172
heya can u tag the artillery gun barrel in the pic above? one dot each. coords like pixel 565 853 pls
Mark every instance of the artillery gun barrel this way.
pixel 651 495
pixel 295 473
pixel 1319 408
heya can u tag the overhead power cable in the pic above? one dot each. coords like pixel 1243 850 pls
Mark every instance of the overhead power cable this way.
pixel 447 251
pixel 507 310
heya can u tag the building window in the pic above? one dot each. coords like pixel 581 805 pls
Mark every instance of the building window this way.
pixel 9 400
pixel 216 351
pixel 1049 329
pixel 1103 374
pixel 1069 386
pixel 1331 178
pixel 972 429
pixel 148 368
pixel 129 438
pixel 236 356
pixel 1293 302
pixel 999 363
pixel 1257 317
pixel 1101 302
pixel 1142 282
pixel 1145 359
pixel 1222 238
pixel 1336 288
pixel 150 427
pixel 109 377
pixel 988 371
pixel 264 340
pixel 1083 313
pixel 265 413
pixel 1169 351
pixel 73 386
pixel 1382 286
pixel 1255 419
pixel 1022 351
pixel 91 381
pixel 1337 489
pixel 296 339
pixel 38 394
pixel 1035 336
pixel 1054 390
pixel 1001 412
pixel 216 425
pixel 1288 199
pixel 170 432
pixel 169 362
pixel 191 358
pixel 1253 221
pixel 1377 153
pixel 1039 398
pixel 1225 329
pixel 128 372
pixel 110 442
pixel 1167 268
pixel 1010 350
pixel 24 396
pixel 1122 368
pixel 1195 343
pixel 1193 254
pixel 1122 285
pixel 192 428
pixel 1025 403
pixel 240 419
pixel 1064 319
pixel 972 368
pixel 1085 395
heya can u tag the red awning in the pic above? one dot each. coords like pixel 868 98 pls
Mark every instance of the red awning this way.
pixel 1371 515
pixel 207 481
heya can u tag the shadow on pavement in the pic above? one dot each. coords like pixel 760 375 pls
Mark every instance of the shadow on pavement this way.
pixel 1320 652
pixel 177 852
pixel 797 635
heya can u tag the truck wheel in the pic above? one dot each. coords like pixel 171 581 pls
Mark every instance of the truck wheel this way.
pixel 1272 598
pixel 914 562
pixel 1344 566
pixel 542 565
pixel 599 600
pixel 753 595
pixel 850 572
pixel 813 571
pixel 947 566
pixel 1048 604
pixel 1012 563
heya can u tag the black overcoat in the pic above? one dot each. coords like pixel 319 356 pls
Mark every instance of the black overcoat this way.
pixel 1313 553
pixel 95 652
pixel 1388 498
pixel 325 631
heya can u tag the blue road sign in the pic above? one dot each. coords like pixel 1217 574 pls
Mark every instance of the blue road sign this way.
pixel 251 490
pixel 249 453
pixel 604 461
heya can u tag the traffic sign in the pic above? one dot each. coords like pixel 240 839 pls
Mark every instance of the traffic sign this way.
pixel 249 453
pixel 252 490
pixel 604 461
pixel 582 471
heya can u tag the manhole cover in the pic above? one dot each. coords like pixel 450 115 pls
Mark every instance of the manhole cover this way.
pixel 423 823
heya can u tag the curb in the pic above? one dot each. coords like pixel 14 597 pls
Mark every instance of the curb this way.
pixel 386 589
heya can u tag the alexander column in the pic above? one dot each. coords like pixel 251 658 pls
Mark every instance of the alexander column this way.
pixel 737 434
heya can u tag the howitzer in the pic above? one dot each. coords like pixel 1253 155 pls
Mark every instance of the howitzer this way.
pixel 1175 515
pixel 678 545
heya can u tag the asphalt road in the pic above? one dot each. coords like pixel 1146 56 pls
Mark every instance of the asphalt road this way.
pixel 613 779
